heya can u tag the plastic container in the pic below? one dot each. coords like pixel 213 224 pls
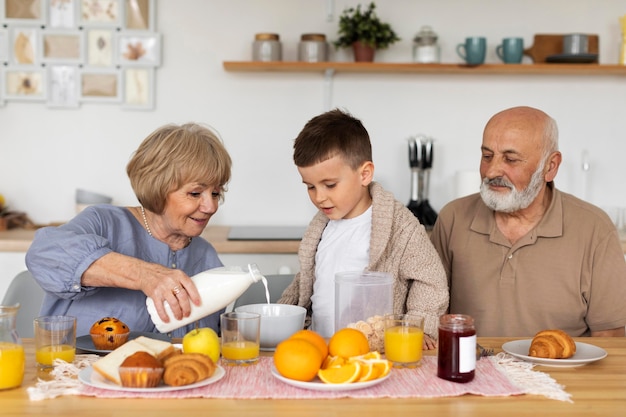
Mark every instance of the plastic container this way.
pixel 362 299
pixel 456 356
pixel 267 47
pixel 12 358
pixel 217 287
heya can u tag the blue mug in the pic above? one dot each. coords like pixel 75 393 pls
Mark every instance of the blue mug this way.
pixel 511 50
pixel 473 50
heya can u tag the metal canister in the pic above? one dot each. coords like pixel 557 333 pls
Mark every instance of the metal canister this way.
pixel 313 48
pixel 267 47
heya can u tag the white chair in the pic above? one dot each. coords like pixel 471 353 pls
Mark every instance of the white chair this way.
pixel 25 291
pixel 255 294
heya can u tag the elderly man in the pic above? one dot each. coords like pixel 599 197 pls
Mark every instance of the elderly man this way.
pixel 522 256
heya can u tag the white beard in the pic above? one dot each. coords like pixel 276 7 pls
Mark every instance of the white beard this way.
pixel 515 200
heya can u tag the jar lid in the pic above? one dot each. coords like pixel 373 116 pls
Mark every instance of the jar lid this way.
pixel 266 37
pixel 426 35
pixel 317 37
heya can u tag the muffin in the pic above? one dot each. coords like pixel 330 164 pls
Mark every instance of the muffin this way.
pixel 109 333
pixel 141 370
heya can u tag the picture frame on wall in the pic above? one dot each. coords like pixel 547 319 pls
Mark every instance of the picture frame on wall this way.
pixel 138 49
pixel 100 13
pixel 138 88
pixel 100 85
pixel 24 83
pixel 63 14
pixel 62 46
pixel 100 47
pixel 23 12
pixel 139 15
pixel 63 86
pixel 23 46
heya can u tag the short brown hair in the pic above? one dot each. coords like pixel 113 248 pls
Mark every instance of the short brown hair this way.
pixel 332 133
pixel 174 155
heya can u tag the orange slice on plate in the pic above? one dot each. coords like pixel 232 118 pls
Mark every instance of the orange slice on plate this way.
pixel 333 362
pixel 344 374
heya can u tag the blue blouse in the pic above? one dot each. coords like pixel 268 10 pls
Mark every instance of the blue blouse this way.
pixel 59 256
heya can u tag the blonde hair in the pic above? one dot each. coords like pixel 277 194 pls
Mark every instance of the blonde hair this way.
pixel 174 155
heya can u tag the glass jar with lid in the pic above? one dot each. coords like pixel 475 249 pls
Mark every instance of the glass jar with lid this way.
pixel 267 47
pixel 425 47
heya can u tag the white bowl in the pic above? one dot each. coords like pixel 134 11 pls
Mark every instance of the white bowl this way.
pixel 278 321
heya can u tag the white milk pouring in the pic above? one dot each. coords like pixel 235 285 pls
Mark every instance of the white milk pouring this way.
pixel 217 287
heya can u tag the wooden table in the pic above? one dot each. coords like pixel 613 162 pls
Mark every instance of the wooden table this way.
pixel 598 389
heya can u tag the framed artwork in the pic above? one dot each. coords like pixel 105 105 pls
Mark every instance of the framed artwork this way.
pixel 4 47
pixel 135 49
pixel 24 83
pixel 139 15
pixel 62 46
pixel 63 82
pixel 100 47
pixel 138 88
pixel 23 46
pixel 23 12
pixel 100 85
pixel 100 13
pixel 62 14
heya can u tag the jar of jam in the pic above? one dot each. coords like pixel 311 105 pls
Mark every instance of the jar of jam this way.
pixel 456 358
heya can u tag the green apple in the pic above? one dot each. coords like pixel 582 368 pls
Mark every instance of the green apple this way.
pixel 202 340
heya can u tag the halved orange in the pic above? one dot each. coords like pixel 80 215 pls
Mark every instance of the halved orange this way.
pixel 344 374
pixel 333 362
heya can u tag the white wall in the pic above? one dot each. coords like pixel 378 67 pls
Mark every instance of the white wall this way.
pixel 45 154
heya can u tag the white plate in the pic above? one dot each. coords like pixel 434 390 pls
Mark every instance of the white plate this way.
pixel 85 343
pixel 318 385
pixel 89 377
pixel 585 354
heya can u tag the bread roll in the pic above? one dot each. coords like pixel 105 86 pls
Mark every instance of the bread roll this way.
pixel 552 344
pixel 187 368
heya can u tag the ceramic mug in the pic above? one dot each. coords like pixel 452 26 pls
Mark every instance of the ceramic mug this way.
pixel 473 50
pixel 511 50
pixel 575 44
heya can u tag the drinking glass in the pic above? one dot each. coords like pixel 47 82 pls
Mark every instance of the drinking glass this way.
pixel 55 338
pixel 404 338
pixel 240 337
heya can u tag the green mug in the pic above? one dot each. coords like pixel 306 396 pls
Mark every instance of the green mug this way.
pixel 511 50
pixel 473 50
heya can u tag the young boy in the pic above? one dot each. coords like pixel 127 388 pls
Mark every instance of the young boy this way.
pixel 359 226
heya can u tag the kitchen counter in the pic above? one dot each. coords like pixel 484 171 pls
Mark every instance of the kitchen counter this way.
pixel 19 240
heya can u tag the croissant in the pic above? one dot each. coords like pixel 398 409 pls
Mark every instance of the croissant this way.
pixel 552 344
pixel 187 368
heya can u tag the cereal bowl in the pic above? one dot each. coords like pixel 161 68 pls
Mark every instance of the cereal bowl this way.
pixel 278 321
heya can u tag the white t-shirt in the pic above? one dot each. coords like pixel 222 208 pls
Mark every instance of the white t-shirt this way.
pixel 344 247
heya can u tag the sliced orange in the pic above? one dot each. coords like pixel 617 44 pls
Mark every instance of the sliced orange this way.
pixel 383 366
pixel 344 374
pixel 333 362
pixel 369 355
pixel 368 372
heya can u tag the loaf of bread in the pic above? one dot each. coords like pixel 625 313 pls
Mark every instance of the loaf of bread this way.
pixel 187 368
pixel 552 344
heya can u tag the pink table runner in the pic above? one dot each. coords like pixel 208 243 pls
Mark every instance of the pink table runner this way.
pixel 257 382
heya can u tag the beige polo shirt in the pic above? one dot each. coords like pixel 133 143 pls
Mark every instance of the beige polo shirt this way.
pixel 567 273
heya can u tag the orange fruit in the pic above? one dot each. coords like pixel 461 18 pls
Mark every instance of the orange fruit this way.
pixel 348 342
pixel 333 361
pixel 312 337
pixel 297 359
pixel 341 375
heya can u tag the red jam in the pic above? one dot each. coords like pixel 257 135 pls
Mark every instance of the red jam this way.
pixel 456 358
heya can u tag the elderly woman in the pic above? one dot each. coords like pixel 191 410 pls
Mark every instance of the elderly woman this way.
pixel 108 259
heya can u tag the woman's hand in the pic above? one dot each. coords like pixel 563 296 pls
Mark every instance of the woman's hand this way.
pixel 156 281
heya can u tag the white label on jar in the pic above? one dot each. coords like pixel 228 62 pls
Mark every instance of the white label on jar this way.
pixel 467 354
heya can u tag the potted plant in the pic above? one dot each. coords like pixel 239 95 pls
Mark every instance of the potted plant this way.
pixel 364 32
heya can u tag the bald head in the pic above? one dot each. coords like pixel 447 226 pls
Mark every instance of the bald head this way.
pixel 535 125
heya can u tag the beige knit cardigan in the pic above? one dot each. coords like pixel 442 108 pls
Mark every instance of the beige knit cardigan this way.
pixel 400 246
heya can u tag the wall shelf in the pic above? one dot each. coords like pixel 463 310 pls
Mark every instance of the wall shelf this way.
pixel 412 68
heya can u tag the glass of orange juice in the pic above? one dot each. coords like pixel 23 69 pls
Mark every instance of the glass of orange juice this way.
pixel 240 338
pixel 404 337
pixel 55 338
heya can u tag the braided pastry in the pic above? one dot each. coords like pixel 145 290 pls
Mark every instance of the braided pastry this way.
pixel 552 344
pixel 187 368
